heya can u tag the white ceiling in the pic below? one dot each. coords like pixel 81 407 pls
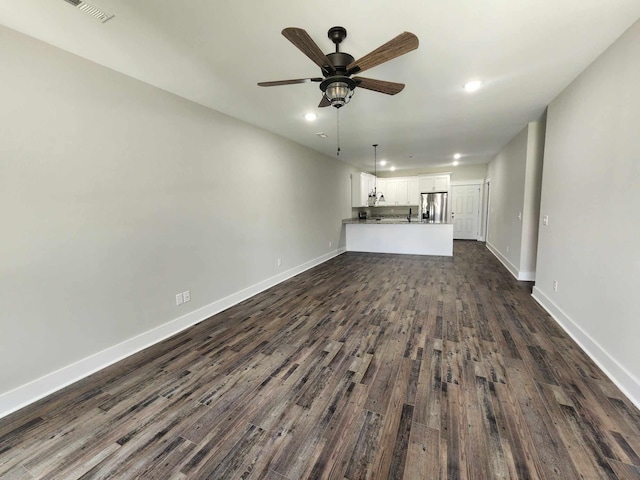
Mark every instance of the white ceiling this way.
pixel 213 52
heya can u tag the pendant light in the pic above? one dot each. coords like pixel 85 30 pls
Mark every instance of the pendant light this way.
pixel 373 195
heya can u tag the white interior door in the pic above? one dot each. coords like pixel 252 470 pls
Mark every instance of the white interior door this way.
pixel 465 211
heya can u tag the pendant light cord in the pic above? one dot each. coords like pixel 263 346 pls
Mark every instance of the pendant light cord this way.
pixel 338 130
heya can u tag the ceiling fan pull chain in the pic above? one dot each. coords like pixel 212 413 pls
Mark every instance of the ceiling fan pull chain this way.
pixel 338 130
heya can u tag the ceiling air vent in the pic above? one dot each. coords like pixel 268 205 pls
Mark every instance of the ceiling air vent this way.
pixel 91 10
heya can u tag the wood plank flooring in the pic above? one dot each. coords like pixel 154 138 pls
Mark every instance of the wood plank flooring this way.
pixel 367 367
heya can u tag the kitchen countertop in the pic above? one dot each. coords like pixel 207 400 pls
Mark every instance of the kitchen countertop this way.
pixel 388 221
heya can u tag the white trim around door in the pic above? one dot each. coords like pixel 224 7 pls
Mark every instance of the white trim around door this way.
pixel 474 188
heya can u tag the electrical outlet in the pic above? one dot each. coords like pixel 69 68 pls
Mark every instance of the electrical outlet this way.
pixel 179 299
pixel 279 262
pixel 545 220
pixel 555 285
pixel 186 296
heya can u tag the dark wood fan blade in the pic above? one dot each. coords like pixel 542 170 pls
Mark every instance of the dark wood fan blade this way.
pixel 403 43
pixel 289 82
pixel 324 102
pixel 390 88
pixel 301 39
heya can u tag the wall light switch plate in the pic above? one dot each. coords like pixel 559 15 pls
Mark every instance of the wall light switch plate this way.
pixel 179 299
pixel 519 215
pixel 279 262
pixel 187 296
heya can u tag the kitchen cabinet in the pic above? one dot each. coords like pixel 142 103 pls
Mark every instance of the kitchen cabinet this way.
pixel 413 191
pixel 390 192
pixel 372 180
pixel 361 185
pixel 397 191
pixel 414 238
pixel 381 189
pixel 400 191
pixel 433 183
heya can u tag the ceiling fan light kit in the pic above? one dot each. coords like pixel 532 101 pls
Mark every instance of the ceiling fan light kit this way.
pixel 337 68
pixel 338 93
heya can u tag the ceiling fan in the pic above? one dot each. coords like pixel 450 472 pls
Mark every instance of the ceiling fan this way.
pixel 337 83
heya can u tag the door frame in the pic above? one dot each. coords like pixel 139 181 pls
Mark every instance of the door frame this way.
pixel 476 182
pixel 486 192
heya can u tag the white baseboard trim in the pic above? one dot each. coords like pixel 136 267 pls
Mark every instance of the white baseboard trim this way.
pixel 28 393
pixel 509 266
pixel 518 275
pixel 527 276
pixel 625 381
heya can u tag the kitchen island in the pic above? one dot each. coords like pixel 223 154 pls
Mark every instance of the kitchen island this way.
pixel 398 235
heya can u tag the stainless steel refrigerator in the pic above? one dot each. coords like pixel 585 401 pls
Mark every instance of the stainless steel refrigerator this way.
pixel 434 207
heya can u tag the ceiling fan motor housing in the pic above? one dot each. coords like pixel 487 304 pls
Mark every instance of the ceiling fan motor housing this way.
pixel 340 60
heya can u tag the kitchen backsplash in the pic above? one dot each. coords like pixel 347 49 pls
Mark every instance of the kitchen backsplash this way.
pixel 384 211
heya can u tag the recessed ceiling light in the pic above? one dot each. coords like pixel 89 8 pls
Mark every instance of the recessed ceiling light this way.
pixel 383 162
pixel 473 85
pixel 310 117
pixel 455 164
pixel 393 169
pixel 457 156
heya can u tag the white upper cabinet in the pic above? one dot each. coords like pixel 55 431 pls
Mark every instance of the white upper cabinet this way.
pixel 414 191
pixel 433 183
pixel 382 190
pixel 372 184
pixel 397 191
pixel 361 185
pixel 442 183
pixel 402 192
pixel 390 193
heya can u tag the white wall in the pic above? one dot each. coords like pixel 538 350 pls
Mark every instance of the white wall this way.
pixel 507 173
pixel 515 177
pixel 115 196
pixel 591 193
pixel 531 200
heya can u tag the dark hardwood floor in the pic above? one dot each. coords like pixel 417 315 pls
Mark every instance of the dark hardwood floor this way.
pixel 368 366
